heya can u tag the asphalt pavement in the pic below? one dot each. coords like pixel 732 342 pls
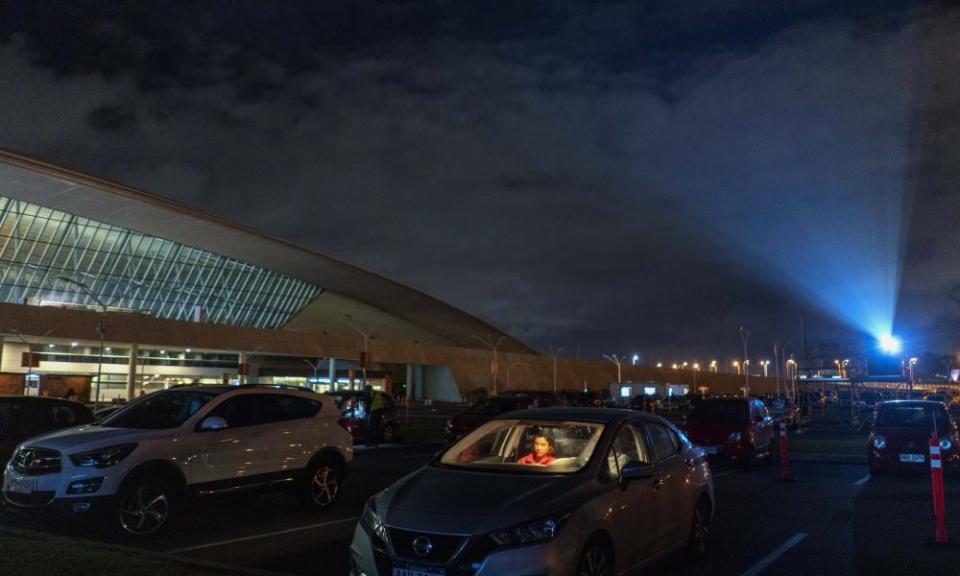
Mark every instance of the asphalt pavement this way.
pixel 834 519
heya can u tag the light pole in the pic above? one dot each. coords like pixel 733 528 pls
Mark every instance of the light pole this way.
pixel 316 370
pixel 791 370
pixel 616 360
pixel 493 345
pixel 554 352
pixel 696 368
pixel 765 364
pixel 736 364
pixel 510 369
pixel 745 338
pixel 713 366
pixel 101 330
pixel 912 363
pixel 366 345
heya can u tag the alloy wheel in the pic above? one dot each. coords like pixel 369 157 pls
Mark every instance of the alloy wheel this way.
pixel 700 531
pixel 324 485
pixel 144 510
pixel 595 561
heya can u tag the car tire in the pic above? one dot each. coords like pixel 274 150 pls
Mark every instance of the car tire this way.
pixel 321 485
pixel 699 542
pixel 596 559
pixel 144 507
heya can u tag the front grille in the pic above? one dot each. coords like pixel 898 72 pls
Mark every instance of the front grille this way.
pixel 36 461
pixel 443 546
pixel 41 498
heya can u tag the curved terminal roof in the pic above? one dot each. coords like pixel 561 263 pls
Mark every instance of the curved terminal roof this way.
pixel 376 305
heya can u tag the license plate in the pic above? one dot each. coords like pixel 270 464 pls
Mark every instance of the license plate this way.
pixel 22 485
pixel 709 449
pixel 408 569
pixel 912 458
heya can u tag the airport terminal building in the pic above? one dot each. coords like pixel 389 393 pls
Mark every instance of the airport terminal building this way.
pixel 105 287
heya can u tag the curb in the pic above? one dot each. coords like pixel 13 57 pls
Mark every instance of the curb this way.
pixel 142 552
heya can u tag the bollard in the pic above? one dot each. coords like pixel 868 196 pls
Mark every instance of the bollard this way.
pixel 784 462
pixel 936 481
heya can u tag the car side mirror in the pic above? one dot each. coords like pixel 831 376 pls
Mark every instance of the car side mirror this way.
pixel 635 470
pixel 213 423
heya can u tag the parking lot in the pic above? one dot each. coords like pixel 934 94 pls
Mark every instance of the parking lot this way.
pixel 834 518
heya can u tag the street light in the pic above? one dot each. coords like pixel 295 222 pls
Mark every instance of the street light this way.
pixel 713 366
pixel 674 366
pixel 359 328
pixel 510 369
pixel 316 370
pixel 101 330
pixel 635 359
pixel 659 364
pixel 553 353
pixel 736 364
pixel 765 364
pixel 494 345
pixel 696 368
pixel 618 360
pixel 913 362
pixel 745 338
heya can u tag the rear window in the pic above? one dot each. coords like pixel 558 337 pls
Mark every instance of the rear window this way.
pixel 912 416
pixel 731 412
pixel 12 417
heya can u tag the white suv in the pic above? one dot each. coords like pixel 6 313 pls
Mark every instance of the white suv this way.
pixel 139 462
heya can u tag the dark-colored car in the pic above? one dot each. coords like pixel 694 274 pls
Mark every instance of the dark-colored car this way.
pixel 900 436
pixel 737 428
pixel 352 405
pixel 781 410
pixel 486 410
pixel 23 417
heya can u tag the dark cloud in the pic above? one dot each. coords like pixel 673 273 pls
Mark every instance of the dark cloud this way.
pixel 609 175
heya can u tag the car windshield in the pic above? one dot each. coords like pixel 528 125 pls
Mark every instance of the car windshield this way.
pixel 526 446
pixel 912 416
pixel 165 409
pixel 733 411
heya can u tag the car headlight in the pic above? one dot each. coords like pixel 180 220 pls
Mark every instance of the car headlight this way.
pixel 945 444
pixel 104 457
pixel 373 522
pixel 879 442
pixel 734 437
pixel 530 532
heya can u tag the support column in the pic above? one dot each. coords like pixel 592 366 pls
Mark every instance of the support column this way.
pixel 332 374
pixel 132 373
pixel 409 382
pixel 242 361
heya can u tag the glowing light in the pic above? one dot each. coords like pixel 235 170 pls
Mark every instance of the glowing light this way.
pixel 889 344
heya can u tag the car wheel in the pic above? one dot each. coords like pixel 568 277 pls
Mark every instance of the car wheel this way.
pixel 596 559
pixel 321 486
pixel 144 507
pixel 388 434
pixel 699 542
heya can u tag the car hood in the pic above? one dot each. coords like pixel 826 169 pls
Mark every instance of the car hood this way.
pixel 91 437
pixel 439 500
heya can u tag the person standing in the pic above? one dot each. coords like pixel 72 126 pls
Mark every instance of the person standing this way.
pixel 375 407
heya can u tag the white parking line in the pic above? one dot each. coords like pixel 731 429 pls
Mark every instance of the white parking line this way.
pixel 267 535
pixel 772 557
pixel 862 481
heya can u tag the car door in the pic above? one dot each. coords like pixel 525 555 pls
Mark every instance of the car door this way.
pixel 287 441
pixel 762 425
pixel 231 455
pixel 628 506
pixel 670 478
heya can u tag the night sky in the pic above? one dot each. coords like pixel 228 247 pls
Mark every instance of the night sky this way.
pixel 618 177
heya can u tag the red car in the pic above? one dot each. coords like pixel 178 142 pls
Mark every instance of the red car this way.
pixel 900 435
pixel 735 428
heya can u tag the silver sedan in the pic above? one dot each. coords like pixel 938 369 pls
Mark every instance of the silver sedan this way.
pixel 564 491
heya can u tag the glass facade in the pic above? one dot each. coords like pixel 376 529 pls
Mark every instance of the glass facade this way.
pixel 45 256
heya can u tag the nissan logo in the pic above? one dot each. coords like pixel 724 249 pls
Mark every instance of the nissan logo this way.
pixel 422 546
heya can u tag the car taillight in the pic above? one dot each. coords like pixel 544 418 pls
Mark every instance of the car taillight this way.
pixel 346 425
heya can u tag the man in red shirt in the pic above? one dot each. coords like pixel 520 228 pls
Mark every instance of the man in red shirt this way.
pixel 543 452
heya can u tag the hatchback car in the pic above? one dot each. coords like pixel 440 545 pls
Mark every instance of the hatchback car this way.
pixel 736 428
pixel 353 408
pixel 553 491
pixel 900 436
pixel 23 417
